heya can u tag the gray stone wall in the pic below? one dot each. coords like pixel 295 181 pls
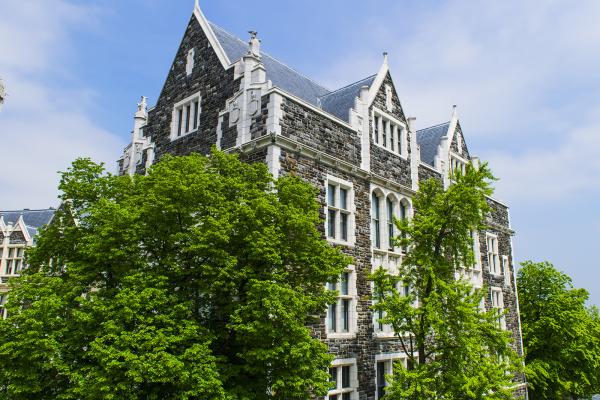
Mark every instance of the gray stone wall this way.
pixel 324 134
pixel 229 134
pixel 364 346
pixel 209 78
pixel 428 173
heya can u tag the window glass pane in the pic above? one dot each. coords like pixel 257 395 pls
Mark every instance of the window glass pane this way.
pixel 393 130
pixel 344 284
pixel 343 198
pixel 333 397
pixel 333 376
pixel 188 116
pixel 376 128
pixel 386 126
pixel 331 195
pixel 344 226
pixel 346 396
pixel 331 223
pixel 196 114
pixel 346 376
pixel 380 373
pixel 179 121
pixel 379 317
pixel 345 315
pixel 332 318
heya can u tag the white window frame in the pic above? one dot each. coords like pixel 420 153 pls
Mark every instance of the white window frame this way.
pixel 474 273
pixel 14 260
pixel 349 211
pixel 497 302
pixel 3 299
pixel 493 258
pixel 456 162
pixel 352 388
pixel 388 359
pixel 393 130
pixel 177 131
pixel 352 298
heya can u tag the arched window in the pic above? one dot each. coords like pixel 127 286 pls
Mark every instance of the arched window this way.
pixel 403 215
pixel 375 218
pixel 390 222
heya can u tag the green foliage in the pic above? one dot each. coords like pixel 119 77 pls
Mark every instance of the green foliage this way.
pixel 196 281
pixel 561 335
pixel 455 350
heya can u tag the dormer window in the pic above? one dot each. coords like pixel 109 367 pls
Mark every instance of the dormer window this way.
pixel 186 117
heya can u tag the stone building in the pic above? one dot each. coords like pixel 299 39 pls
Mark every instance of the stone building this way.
pixel 355 144
pixel 17 232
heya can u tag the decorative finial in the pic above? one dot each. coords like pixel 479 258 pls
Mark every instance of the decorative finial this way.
pixel 196 4
pixel 142 105
pixel 254 44
pixel 385 57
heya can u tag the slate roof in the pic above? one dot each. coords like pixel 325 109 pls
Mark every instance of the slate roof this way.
pixel 340 101
pixel 429 140
pixel 280 74
pixel 34 219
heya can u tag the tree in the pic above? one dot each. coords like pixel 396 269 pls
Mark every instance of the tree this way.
pixel 196 281
pixel 455 350
pixel 561 335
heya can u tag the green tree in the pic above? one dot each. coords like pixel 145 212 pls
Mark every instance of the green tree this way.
pixel 196 281
pixel 455 350
pixel 561 335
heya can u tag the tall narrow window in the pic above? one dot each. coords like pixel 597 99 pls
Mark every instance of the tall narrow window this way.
pixel 492 254
pixel 392 137
pixel 375 228
pixel 338 211
pixel 195 120
pixel 386 126
pixel 403 216
pixel 179 120
pixel 339 314
pixel 497 301
pixel 381 384
pixel 376 129
pixel 390 222
pixel 188 116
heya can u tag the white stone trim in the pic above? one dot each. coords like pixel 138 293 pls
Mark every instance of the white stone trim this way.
pixel 342 362
pixel 494 253
pixel 174 120
pixel 497 296
pixel 349 186
pixel 273 160
pixel 376 85
pixel 275 114
pixel 401 133
pixel 389 359
pixel 212 38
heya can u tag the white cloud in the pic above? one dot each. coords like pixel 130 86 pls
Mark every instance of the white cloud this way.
pixel 44 125
pixel 520 74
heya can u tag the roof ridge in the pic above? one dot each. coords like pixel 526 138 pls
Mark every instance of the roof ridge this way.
pixel 347 86
pixel 433 126
pixel 27 209
pixel 264 53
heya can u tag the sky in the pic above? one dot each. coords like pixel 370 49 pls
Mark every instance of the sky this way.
pixel 524 75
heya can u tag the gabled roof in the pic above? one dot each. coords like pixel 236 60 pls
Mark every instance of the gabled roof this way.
pixel 278 73
pixel 34 219
pixel 429 139
pixel 339 102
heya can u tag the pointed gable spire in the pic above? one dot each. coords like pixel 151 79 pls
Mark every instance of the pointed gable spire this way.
pixel 379 78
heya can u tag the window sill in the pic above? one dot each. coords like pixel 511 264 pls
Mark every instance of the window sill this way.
pixel 338 242
pixel 341 335
pixel 388 252
pixel 384 335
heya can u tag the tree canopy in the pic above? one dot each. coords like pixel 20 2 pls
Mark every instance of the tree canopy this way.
pixel 199 280
pixel 561 335
pixel 455 349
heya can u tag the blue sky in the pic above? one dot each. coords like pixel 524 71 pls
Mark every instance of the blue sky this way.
pixel 523 74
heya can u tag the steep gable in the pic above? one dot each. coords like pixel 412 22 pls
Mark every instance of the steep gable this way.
pixel 380 99
pixel 459 145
